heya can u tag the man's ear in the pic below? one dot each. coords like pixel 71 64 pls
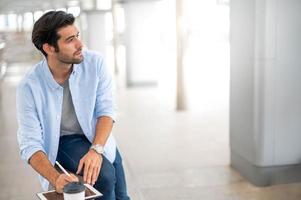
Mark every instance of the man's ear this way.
pixel 48 49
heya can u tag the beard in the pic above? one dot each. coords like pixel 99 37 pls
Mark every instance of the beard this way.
pixel 67 59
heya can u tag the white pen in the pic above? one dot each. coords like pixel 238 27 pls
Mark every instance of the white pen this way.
pixel 62 168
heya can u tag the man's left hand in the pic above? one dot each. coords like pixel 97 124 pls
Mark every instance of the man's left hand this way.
pixel 92 163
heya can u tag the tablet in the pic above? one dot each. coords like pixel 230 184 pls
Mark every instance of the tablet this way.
pixel 90 193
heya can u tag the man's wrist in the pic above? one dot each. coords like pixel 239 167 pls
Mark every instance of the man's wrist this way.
pixel 98 148
pixel 55 178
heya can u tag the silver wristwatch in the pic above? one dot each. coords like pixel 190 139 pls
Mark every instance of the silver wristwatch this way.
pixel 97 148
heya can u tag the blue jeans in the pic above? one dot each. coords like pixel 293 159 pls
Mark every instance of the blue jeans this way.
pixel 111 180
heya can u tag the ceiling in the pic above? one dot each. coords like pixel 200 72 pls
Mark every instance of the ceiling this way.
pixel 22 6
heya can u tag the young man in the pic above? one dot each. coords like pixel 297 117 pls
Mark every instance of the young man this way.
pixel 65 111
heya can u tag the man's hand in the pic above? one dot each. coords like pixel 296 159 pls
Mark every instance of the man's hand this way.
pixel 92 163
pixel 62 180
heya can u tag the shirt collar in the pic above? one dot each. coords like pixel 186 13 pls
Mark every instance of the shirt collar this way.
pixel 75 68
pixel 49 77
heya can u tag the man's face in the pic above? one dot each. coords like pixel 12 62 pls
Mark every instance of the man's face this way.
pixel 69 45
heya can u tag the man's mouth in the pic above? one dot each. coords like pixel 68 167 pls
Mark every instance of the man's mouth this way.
pixel 78 53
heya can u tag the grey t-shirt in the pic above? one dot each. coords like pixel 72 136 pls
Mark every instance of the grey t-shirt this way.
pixel 69 122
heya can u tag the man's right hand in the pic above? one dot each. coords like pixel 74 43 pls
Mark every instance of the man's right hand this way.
pixel 62 180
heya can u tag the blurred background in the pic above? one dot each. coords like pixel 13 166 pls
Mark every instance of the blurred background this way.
pixel 170 60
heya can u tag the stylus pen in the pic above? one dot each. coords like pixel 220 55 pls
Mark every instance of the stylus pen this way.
pixel 62 168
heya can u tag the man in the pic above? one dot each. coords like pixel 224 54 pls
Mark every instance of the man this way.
pixel 65 111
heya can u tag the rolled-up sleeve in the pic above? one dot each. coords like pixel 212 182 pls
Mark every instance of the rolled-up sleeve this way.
pixel 105 103
pixel 29 131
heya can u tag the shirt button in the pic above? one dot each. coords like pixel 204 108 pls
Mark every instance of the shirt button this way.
pixel 58 117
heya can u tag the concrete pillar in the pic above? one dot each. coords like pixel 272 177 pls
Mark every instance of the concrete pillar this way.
pixel 142 41
pixel 96 36
pixel 265 109
pixel 95 30
pixel 181 103
pixel 115 36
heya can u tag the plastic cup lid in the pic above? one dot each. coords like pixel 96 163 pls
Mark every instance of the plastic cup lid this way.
pixel 73 187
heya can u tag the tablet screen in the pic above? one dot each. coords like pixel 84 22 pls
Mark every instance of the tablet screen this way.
pixel 90 192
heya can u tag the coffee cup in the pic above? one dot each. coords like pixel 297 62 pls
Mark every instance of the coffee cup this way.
pixel 74 191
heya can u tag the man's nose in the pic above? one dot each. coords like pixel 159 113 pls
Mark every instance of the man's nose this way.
pixel 79 43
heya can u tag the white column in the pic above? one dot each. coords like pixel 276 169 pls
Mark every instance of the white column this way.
pixel 95 31
pixel 142 39
pixel 265 109
pixel 97 35
pixel 181 103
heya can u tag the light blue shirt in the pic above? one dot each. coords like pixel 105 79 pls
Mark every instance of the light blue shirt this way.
pixel 39 106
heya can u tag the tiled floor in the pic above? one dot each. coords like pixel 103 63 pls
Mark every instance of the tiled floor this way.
pixel 167 155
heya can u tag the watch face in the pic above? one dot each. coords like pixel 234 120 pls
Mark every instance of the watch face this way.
pixel 98 148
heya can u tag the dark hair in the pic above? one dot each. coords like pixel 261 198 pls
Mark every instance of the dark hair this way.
pixel 46 27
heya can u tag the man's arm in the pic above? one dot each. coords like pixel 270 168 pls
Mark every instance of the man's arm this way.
pixel 92 161
pixel 104 111
pixel 31 141
pixel 104 127
pixel 43 166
